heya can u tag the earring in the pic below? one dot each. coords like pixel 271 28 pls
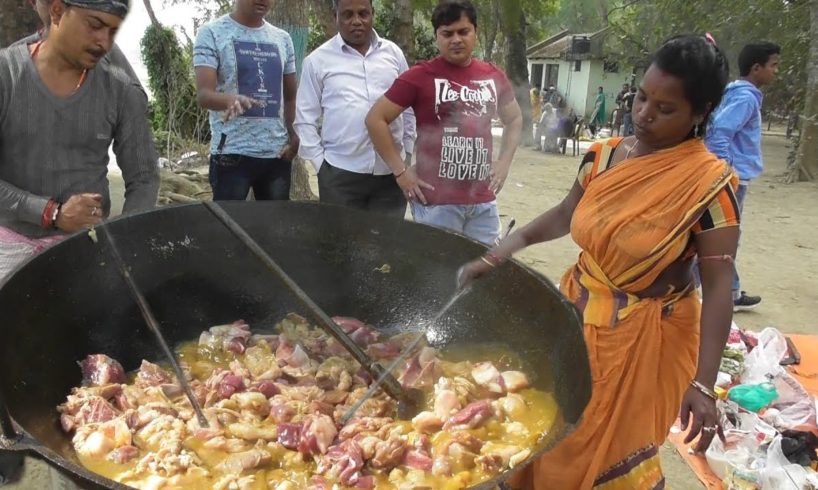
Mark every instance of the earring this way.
pixel 696 131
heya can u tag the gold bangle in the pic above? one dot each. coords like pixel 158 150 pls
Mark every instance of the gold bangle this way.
pixel 705 390
pixel 487 261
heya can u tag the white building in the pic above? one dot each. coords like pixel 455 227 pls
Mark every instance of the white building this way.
pixel 576 65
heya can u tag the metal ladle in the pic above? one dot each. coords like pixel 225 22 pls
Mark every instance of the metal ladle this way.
pixel 390 384
pixel 153 325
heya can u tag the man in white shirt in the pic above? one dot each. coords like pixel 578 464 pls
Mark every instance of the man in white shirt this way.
pixel 340 81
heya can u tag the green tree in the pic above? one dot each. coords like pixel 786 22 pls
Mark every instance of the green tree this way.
pixel 176 114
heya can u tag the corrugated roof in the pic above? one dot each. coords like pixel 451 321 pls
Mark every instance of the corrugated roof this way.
pixel 554 46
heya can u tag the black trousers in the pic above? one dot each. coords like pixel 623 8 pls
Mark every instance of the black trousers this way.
pixel 377 193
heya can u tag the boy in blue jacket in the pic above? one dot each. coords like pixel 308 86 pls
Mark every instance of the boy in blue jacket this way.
pixel 735 133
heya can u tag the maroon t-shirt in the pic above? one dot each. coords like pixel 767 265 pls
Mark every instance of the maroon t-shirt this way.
pixel 454 106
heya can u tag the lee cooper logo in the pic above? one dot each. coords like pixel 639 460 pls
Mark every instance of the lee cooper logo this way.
pixel 470 101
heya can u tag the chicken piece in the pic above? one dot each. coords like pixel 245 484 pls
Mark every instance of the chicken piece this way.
pixel 471 417
pixel 162 431
pixel 342 462
pixel 459 457
pixel 291 355
pixel 281 412
pixel 363 425
pixel 253 432
pixel 383 351
pixel 359 332
pixel 441 466
pixel 253 402
pixel 99 369
pixel 95 409
pixel 418 460
pixel 96 441
pixel 486 375
pixel 152 375
pixel 169 461
pixel 446 403
pixel 317 434
pixel 496 450
pixel 519 458
pixel 513 406
pixel 420 370
pixel 231 338
pixel 270 340
pixel 259 361
pixel 238 463
pixel 465 440
pixel 124 454
pixel 266 387
pixel 228 445
pixel 289 435
pixel 388 454
pixel 427 422
pixel 368 445
pixel 514 381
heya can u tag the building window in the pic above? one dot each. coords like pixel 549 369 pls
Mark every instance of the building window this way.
pixel 611 66
pixel 578 65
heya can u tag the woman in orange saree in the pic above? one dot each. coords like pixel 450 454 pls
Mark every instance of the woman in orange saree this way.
pixel 642 209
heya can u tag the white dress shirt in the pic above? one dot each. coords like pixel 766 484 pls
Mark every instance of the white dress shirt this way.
pixel 338 87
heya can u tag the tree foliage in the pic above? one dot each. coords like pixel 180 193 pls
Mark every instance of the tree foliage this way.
pixel 175 112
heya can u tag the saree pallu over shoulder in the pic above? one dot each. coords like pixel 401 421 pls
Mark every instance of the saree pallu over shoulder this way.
pixel 634 220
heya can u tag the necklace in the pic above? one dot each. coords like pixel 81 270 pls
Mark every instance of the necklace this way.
pixel 634 145
pixel 36 49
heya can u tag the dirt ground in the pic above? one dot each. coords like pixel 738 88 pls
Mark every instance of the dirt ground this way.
pixel 778 258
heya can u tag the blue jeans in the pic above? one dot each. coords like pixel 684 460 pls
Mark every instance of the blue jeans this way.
pixel 741 193
pixel 232 177
pixel 479 222
pixel 628 122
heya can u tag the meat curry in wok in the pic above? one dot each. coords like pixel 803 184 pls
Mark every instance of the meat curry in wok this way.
pixel 274 405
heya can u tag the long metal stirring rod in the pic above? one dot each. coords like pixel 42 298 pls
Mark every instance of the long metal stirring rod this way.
pixel 391 385
pixel 401 358
pixel 153 325
pixel 411 348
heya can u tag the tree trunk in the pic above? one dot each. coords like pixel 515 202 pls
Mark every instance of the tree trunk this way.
pixel 293 17
pixel 807 158
pixel 17 20
pixel 151 13
pixel 490 31
pixel 404 29
pixel 517 70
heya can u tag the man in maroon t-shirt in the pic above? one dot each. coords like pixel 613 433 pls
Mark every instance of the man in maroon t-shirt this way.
pixel 454 97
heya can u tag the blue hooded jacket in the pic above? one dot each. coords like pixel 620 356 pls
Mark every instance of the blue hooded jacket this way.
pixel 735 131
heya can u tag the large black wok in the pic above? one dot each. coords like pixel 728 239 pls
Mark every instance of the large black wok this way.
pixel 71 301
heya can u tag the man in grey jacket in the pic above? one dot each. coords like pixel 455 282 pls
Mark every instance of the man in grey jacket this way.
pixel 61 107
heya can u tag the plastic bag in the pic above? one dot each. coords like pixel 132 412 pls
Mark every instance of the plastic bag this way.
pixel 780 474
pixel 794 407
pixel 753 397
pixel 762 363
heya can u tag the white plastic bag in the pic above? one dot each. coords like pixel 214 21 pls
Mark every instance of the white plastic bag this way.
pixel 794 406
pixel 762 363
pixel 780 474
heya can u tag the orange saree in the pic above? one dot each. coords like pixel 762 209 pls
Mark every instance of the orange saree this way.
pixel 634 220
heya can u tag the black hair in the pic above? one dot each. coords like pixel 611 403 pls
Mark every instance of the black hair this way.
pixel 336 2
pixel 755 53
pixel 450 11
pixel 701 66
